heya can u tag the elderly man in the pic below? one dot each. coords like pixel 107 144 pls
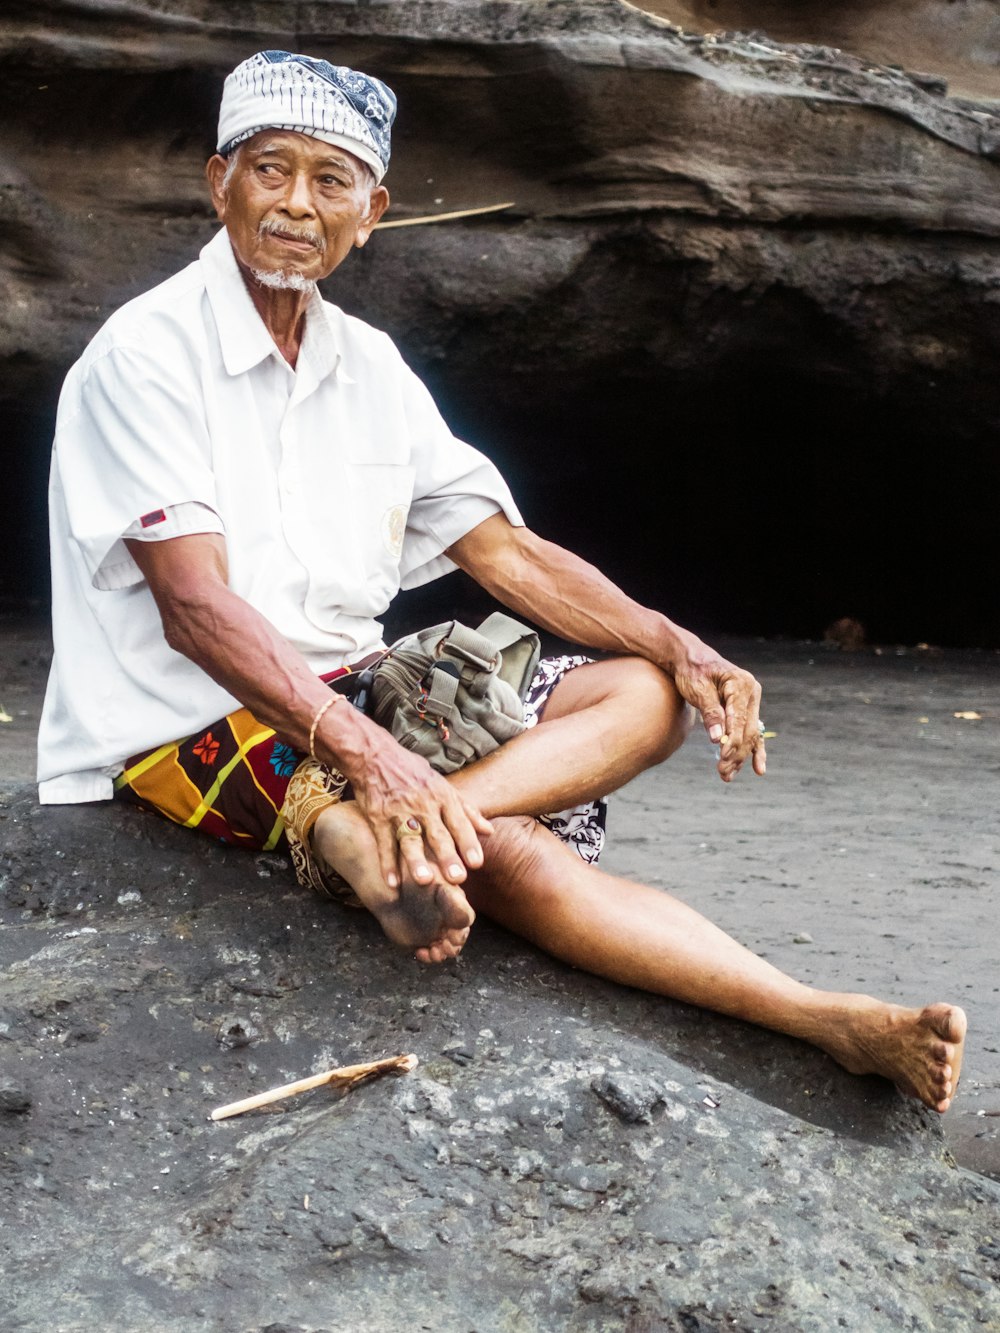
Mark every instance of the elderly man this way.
pixel 243 477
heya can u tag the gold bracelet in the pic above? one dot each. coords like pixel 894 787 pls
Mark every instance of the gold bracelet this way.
pixel 334 698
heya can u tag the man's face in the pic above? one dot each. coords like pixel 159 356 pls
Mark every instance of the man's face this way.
pixel 294 205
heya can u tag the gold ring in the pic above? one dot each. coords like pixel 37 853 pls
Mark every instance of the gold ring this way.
pixel 409 828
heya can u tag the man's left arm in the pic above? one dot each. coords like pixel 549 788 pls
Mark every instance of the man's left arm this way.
pixel 569 597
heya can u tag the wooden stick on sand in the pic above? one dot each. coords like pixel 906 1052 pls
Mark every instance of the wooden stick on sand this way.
pixel 345 1077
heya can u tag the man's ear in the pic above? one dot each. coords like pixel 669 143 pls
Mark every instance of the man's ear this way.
pixel 215 170
pixel 378 204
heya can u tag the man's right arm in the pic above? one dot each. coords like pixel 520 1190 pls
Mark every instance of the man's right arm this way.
pixel 240 649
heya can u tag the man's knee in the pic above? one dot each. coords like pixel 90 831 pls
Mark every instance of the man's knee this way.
pixel 644 715
pixel 667 719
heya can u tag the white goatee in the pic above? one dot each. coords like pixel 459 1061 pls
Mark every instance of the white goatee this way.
pixel 283 280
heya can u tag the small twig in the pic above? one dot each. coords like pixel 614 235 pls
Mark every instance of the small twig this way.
pixel 443 217
pixel 345 1077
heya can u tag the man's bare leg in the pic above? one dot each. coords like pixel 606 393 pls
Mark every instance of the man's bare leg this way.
pixel 642 937
pixel 602 725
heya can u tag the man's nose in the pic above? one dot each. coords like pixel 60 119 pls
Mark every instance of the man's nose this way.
pixel 298 201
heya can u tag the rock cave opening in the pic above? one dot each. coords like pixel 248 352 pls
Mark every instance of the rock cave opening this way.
pixel 759 503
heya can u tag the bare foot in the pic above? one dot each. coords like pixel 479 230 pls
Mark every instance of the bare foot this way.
pixel 433 919
pixel 920 1050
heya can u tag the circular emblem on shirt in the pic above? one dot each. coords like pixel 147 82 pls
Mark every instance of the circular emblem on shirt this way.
pixel 394 528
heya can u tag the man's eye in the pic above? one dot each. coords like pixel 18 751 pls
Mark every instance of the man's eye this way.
pixel 332 181
pixel 268 168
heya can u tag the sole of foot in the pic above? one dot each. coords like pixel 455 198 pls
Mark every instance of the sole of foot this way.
pixel 920 1050
pixel 432 919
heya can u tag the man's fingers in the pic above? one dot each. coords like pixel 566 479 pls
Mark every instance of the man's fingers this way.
pixel 733 757
pixel 467 826
pixel 478 820
pixel 737 714
pixel 442 846
pixel 728 700
pixel 714 718
pixel 413 858
pixel 388 861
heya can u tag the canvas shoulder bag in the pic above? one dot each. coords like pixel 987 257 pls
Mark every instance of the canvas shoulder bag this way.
pixel 454 694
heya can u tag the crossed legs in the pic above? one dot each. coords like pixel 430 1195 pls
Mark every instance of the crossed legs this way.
pixel 603 725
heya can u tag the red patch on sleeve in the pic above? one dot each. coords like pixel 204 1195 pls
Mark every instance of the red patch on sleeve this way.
pixel 150 520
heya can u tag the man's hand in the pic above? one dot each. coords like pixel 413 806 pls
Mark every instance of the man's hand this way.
pixel 561 592
pixel 236 646
pixel 728 699
pixel 415 815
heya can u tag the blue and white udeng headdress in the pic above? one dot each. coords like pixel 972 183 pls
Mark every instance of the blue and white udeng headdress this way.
pixel 275 90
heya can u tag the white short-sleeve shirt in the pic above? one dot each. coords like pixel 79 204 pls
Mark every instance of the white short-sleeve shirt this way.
pixel 335 484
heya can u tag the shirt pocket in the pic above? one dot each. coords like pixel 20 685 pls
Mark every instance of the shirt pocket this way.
pixel 380 496
pixel 357 546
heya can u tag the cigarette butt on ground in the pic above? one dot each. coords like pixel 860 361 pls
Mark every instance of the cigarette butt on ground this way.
pixel 345 1077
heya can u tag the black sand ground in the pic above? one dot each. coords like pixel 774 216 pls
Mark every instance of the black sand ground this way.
pixel 569 1154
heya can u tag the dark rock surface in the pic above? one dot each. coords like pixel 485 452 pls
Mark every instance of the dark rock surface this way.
pixel 725 242
pixel 568 1154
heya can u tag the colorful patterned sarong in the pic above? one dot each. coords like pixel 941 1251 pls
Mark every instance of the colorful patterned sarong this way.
pixel 229 780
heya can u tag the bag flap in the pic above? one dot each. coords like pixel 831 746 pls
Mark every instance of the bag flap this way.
pixel 520 648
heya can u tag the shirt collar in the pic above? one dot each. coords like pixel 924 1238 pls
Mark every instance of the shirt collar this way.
pixel 243 335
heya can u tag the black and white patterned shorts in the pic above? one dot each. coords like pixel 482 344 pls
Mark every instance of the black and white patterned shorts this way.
pixel 583 826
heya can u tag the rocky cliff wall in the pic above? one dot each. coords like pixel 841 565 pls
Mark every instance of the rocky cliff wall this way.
pixel 746 293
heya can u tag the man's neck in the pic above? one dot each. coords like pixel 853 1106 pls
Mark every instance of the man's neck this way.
pixel 283 311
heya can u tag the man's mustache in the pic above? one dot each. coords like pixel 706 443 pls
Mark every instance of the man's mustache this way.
pixel 271 227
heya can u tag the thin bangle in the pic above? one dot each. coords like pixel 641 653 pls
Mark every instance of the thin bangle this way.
pixel 334 698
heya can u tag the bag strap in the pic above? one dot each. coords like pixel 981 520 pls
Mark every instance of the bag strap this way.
pixel 519 646
pixel 443 688
pixel 478 649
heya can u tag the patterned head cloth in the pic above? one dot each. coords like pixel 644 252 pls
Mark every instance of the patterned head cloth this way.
pixel 275 90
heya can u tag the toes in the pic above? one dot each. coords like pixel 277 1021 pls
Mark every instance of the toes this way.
pixel 441 950
pixel 947 1021
pixel 437 953
pixel 456 912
